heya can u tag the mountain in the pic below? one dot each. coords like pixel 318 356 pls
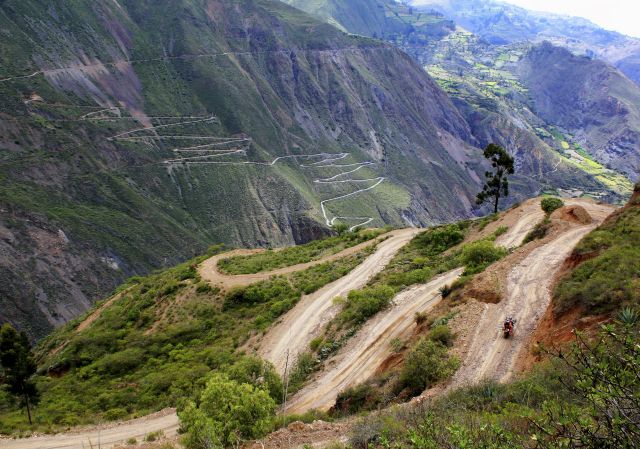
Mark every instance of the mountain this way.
pixel 501 23
pixel 492 86
pixel 134 134
pixel 593 101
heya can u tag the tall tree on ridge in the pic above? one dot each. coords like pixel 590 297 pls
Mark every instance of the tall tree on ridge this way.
pixel 497 183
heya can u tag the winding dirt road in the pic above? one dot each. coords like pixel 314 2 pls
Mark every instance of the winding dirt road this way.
pixel 526 217
pixel 364 353
pixel 209 268
pixel 490 356
pixel 105 437
pixel 302 323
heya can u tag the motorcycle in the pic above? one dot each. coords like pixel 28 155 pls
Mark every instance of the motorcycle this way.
pixel 508 327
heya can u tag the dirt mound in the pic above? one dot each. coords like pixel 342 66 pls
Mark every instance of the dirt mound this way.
pixel 298 434
pixel 573 214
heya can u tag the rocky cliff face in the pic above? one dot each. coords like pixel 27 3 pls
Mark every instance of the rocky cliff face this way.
pixel 136 133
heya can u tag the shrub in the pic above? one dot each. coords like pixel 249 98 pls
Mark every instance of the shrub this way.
pixel 153 436
pixel 426 364
pixel 420 317
pixel 357 398
pixel 362 304
pixel 479 255
pixel 131 441
pixel 435 241
pixel 304 366
pixel 227 413
pixel 396 344
pixel 549 204
pixel 442 334
pixel 501 230
pixel 445 291
pixel 538 232
pixel 115 413
pixel 315 343
pixel 259 373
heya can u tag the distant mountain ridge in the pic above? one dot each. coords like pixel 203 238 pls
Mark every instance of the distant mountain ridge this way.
pixel 503 23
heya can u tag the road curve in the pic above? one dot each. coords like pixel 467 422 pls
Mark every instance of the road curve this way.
pixel 302 323
pixel 364 353
pixel 209 268
pixel 528 215
pixel 102 437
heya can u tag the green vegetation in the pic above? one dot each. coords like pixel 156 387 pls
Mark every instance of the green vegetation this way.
pixel 607 276
pixel 157 344
pixel 317 249
pixel 426 364
pixel 497 182
pixel 363 304
pixel 17 367
pixel 228 412
pixel 479 255
pixel 539 231
pixel 549 204
pixel 587 397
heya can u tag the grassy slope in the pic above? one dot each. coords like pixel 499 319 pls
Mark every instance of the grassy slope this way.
pixel 154 346
pixel 293 255
pixel 606 272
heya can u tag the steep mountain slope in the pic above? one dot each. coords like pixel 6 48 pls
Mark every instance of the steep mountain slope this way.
pixel 590 99
pixel 484 80
pixel 502 23
pixel 134 134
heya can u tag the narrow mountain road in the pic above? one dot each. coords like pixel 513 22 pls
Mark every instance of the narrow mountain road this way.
pixel 364 353
pixel 490 355
pixel 105 437
pixel 292 335
pixel 209 268
pixel 526 217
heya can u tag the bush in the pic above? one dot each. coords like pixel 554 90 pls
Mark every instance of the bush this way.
pixel 426 364
pixel 442 334
pixel 479 255
pixel 437 240
pixel 363 304
pixel 227 413
pixel 549 204
pixel 354 399
pixel 304 366
pixel 153 436
pixel 538 232
pixel 259 373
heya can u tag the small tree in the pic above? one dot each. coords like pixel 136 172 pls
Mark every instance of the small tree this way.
pixel 228 413
pixel 18 367
pixel 497 184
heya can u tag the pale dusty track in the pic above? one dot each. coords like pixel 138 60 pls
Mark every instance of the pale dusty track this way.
pixel 526 217
pixel 209 268
pixel 490 356
pixel 298 327
pixel 365 352
pixel 103 437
